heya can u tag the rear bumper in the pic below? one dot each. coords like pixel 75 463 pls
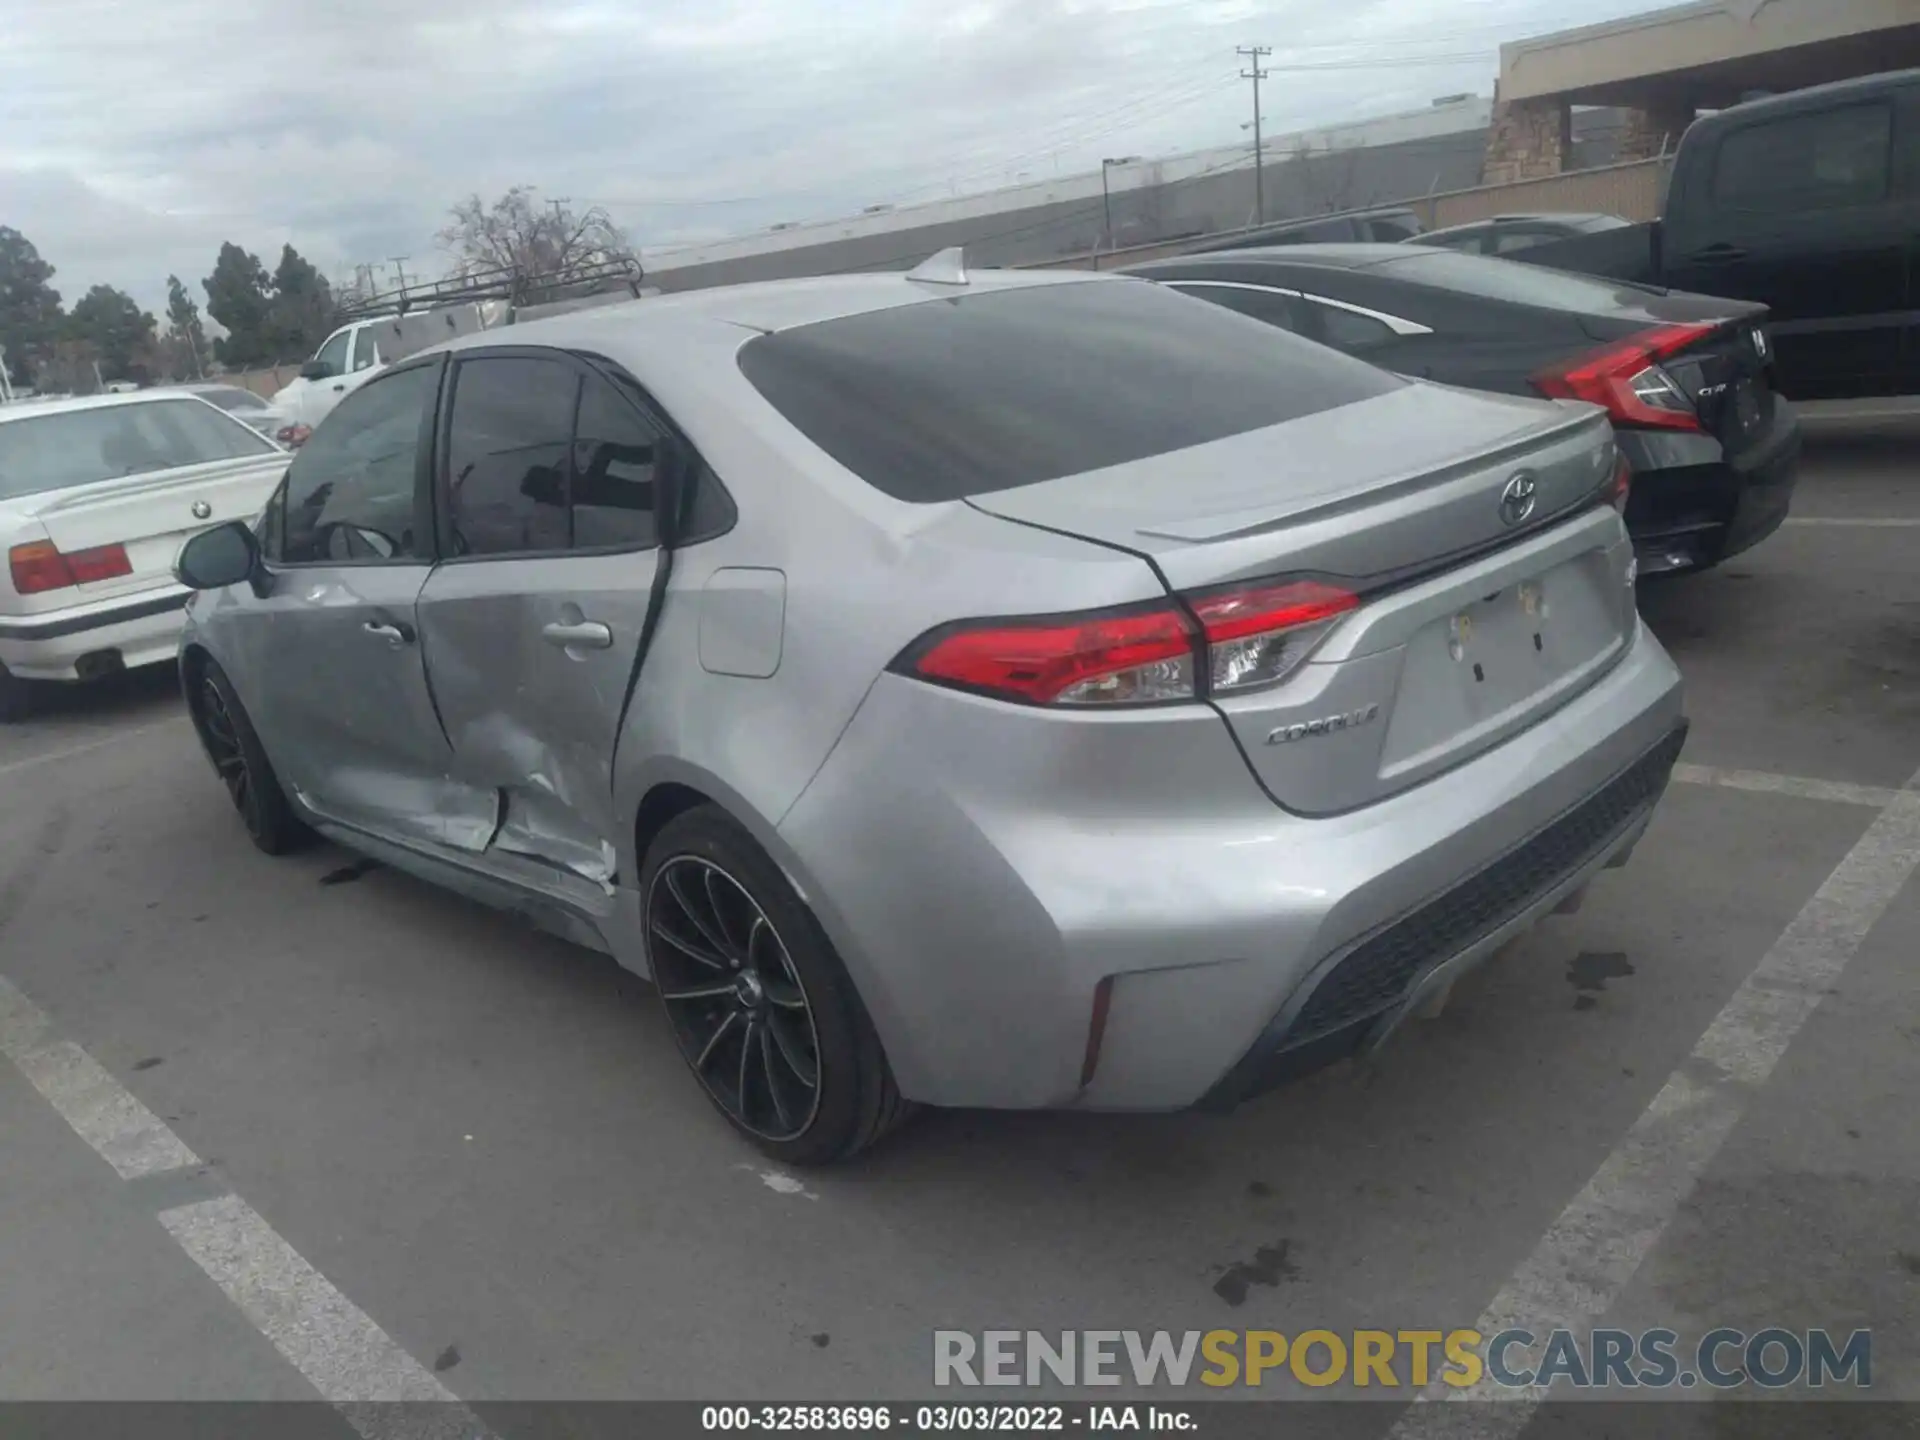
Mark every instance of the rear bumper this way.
pixel 82 642
pixel 986 882
pixel 1692 507
pixel 1361 995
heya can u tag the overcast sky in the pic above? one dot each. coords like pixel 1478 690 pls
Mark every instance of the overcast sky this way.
pixel 136 135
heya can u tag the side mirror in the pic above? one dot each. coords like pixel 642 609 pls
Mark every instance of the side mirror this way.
pixel 316 370
pixel 212 560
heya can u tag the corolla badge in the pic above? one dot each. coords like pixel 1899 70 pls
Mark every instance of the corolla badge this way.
pixel 1518 499
pixel 1325 725
pixel 202 510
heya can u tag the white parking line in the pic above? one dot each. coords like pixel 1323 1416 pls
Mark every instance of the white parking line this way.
pixel 73 751
pixel 1579 1269
pixel 1762 782
pixel 336 1345
pixel 1837 522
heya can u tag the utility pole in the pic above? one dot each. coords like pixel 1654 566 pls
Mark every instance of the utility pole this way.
pixel 400 275
pixel 1255 54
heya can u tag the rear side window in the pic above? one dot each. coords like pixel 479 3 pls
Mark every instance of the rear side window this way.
pixel 1344 330
pixel 1391 229
pixel 507 455
pixel 1257 303
pixel 965 396
pixel 1823 161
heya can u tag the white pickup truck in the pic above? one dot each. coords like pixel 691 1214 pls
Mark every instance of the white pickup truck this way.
pixel 398 326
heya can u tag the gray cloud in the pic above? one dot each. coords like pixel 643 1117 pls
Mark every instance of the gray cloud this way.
pixel 138 136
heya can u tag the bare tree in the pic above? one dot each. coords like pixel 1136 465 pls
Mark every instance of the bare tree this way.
pixel 518 234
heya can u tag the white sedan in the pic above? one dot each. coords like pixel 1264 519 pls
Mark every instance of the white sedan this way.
pixel 97 496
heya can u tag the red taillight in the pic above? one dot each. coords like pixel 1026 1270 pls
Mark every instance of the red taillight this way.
pixel 108 562
pixel 1626 379
pixel 1247 637
pixel 38 566
pixel 294 436
pixel 1127 658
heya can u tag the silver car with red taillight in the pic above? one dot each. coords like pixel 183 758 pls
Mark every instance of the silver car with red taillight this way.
pixel 976 689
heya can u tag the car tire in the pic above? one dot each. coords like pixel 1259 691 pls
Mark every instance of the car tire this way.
pixel 227 735
pixel 16 697
pixel 759 1004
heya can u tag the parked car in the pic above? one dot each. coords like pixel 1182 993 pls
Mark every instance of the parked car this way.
pixel 1807 203
pixel 1383 226
pixel 253 411
pixel 1001 690
pixel 1509 234
pixel 96 497
pixel 385 329
pixel 1686 379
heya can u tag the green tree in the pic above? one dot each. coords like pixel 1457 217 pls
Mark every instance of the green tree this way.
pixel 239 296
pixel 118 330
pixel 30 318
pixel 186 340
pixel 302 309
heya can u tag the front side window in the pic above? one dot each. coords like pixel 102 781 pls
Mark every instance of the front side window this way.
pixel 507 455
pixel 1823 161
pixel 333 354
pixel 39 453
pixel 351 489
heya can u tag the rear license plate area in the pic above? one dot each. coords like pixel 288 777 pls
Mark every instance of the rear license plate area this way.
pixel 1501 658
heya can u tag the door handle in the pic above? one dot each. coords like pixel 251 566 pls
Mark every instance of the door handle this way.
pixel 587 635
pixel 1717 255
pixel 389 632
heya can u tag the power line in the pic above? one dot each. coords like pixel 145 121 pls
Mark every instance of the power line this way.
pixel 1254 54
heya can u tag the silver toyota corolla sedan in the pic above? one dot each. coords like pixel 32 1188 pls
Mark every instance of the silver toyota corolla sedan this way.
pixel 980 690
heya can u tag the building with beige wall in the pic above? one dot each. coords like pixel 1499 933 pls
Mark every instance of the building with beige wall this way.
pixel 1665 67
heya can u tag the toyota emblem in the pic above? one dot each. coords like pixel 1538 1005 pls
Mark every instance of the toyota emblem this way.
pixel 202 510
pixel 1517 500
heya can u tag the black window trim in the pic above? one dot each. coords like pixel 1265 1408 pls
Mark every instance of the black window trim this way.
pixel 586 366
pixel 422 471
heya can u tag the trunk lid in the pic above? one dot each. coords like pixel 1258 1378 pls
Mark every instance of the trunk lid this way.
pixel 1473 624
pixel 153 515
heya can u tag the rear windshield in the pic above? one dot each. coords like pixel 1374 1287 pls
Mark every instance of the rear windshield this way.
pixel 78 447
pixel 950 398
pixel 1512 281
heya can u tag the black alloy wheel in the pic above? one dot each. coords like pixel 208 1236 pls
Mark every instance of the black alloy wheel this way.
pixel 227 735
pixel 736 1002
pixel 222 739
pixel 761 1006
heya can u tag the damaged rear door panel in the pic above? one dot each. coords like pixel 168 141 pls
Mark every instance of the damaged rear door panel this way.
pixel 531 624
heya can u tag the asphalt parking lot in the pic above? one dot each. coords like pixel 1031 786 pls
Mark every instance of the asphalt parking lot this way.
pixel 428 1152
